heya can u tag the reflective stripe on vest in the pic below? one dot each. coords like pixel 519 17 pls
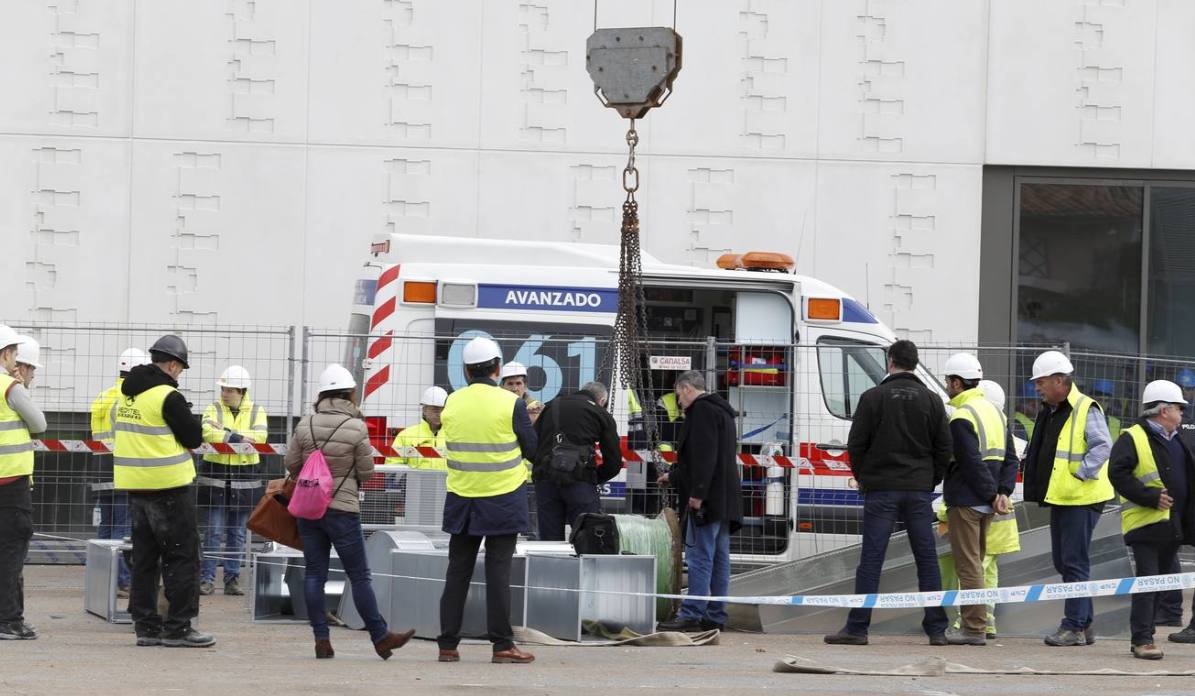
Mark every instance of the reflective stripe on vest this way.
pixel 250 422
pixel 1064 488
pixel 987 421
pixel 147 456
pixel 16 445
pixel 484 458
pixel 1132 515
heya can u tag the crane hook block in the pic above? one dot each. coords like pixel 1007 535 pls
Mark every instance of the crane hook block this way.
pixel 633 69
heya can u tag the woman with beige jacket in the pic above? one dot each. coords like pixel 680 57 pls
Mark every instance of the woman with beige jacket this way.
pixel 338 430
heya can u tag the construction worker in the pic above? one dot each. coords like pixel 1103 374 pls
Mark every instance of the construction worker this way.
pixel 1066 470
pixel 487 436
pixel 228 484
pixel 1153 471
pixel 114 507
pixel 20 419
pixel 154 428
pixel 1105 391
pixel 426 433
pixel 514 379
pixel 979 480
pixel 647 501
pixel 1170 604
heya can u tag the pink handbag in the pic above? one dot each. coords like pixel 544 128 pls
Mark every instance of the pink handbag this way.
pixel 313 488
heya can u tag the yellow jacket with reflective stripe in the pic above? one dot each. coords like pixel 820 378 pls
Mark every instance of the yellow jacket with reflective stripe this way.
pixel 420 435
pixel 1132 515
pixel 668 401
pixel 1065 488
pixel 147 457
pixel 484 458
pixel 1026 422
pixel 16 445
pixel 103 413
pixel 985 419
pixel 249 422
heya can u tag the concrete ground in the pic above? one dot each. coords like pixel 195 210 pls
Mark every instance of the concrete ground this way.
pixel 79 652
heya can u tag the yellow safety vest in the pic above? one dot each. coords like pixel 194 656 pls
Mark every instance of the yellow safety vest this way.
pixel 1114 428
pixel 16 445
pixel 671 406
pixel 103 413
pixel 250 422
pixel 987 421
pixel 484 458
pixel 1026 422
pixel 1064 488
pixel 419 436
pixel 1132 515
pixel 147 457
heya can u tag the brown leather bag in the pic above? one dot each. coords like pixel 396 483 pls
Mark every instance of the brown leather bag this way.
pixel 271 519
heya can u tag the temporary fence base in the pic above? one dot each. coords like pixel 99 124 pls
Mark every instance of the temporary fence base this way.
pixel 100 580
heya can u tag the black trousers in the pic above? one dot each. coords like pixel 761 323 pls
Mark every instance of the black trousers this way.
pixel 462 556
pixel 559 505
pixel 16 529
pixel 1150 559
pixel 1170 604
pixel 165 544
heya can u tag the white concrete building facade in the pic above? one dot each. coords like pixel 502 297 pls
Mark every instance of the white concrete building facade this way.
pixel 228 161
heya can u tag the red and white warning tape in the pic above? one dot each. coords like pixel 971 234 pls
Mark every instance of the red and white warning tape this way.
pixel 825 467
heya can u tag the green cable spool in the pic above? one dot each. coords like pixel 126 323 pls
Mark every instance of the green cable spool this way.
pixel 657 536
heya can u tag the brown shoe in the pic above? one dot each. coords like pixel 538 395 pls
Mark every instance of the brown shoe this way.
pixel 514 656
pixel 393 641
pixel 1147 652
pixel 449 655
pixel 323 650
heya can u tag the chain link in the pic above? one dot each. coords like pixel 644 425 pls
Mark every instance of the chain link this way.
pixel 629 349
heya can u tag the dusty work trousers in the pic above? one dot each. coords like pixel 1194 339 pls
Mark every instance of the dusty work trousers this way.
pixel 166 545
pixel 16 529
pixel 968 543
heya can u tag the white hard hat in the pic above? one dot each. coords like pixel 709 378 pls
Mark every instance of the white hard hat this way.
pixel 336 378
pixel 513 369
pixel 433 396
pixel 1051 362
pixel 993 392
pixel 29 352
pixel 963 365
pixel 234 377
pixel 132 357
pixel 481 350
pixel 8 337
pixel 1163 390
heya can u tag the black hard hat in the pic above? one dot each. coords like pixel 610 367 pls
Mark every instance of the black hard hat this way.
pixel 172 347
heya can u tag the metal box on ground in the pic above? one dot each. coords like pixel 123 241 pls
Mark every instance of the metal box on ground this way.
pixel 377 554
pixel 100 580
pixel 277 594
pixel 419 582
pixel 565 591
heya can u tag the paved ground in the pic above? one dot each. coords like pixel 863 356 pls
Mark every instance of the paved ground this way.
pixel 78 651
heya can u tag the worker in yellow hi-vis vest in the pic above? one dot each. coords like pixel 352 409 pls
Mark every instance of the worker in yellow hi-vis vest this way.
pixel 1066 469
pixel 154 429
pixel 20 419
pixel 1153 471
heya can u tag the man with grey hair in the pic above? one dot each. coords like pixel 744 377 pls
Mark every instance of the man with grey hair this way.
pixel 565 474
pixel 706 476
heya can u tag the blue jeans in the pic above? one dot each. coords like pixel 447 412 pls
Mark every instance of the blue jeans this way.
pixel 343 531
pixel 1071 528
pixel 115 524
pixel 707 550
pixel 881 511
pixel 224 542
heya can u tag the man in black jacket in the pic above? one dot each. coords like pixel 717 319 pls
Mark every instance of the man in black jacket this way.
pixel 1153 471
pixel 899 447
pixel 706 477
pixel 580 418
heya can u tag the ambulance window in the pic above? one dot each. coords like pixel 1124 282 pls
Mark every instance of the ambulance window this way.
pixel 848 368
pixel 354 351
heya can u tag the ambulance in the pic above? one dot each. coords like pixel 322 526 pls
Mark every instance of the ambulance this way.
pixel 792 354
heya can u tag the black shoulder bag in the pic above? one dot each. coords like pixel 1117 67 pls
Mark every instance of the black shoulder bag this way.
pixel 567 463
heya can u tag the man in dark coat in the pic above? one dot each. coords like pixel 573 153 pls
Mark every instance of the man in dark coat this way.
pixel 706 477
pixel 900 447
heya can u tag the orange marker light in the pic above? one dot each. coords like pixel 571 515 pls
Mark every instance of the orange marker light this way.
pixel 824 308
pixel 419 292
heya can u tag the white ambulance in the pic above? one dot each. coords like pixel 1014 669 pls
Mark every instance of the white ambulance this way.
pixel 791 353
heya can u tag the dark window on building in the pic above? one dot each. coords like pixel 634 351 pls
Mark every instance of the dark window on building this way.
pixel 1171 322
